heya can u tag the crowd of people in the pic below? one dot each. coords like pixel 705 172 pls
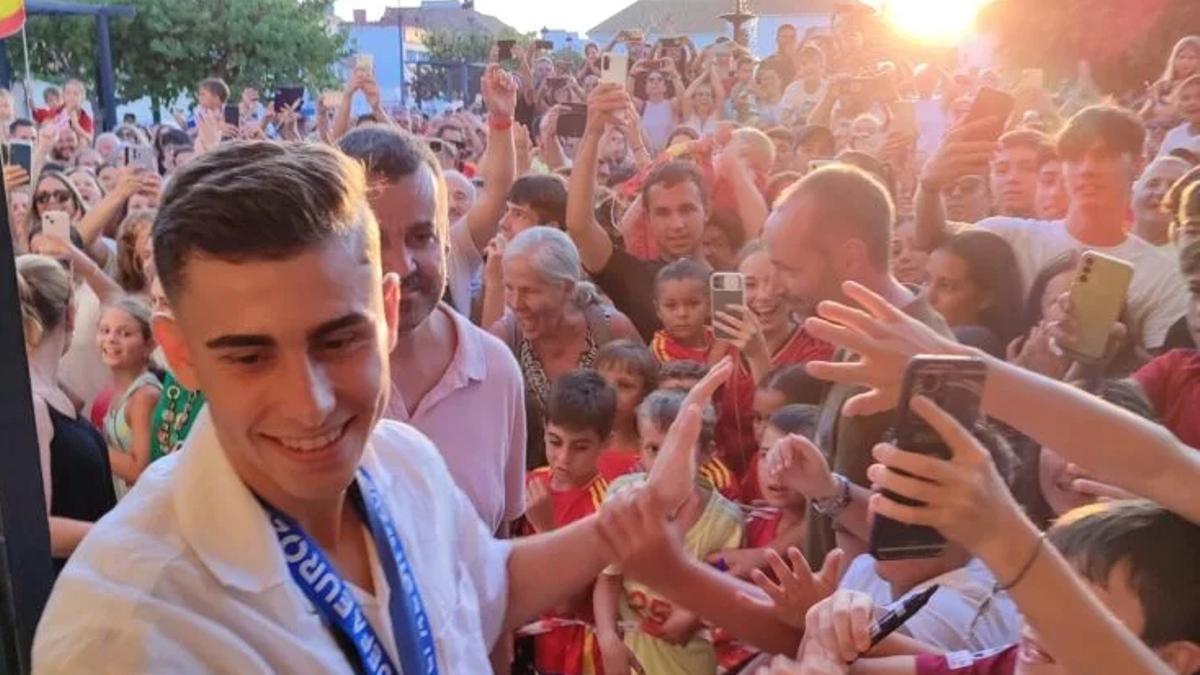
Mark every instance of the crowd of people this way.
pixel 241 327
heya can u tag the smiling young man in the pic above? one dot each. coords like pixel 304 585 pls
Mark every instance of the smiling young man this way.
pixel 294 531
pixel 677 208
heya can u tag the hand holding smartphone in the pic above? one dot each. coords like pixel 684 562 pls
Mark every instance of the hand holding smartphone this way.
pixel 1097 296
pixel 728 294
pixel 993 105
pixel 955 384
pixel 614 68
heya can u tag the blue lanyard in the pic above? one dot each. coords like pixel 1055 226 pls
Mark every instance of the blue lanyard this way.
pixel 332 597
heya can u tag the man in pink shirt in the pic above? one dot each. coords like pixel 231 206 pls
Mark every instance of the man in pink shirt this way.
pixel 451 380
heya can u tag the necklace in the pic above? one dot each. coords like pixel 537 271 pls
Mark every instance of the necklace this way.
pixel 174 420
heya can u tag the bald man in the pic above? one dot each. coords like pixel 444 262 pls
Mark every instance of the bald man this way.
pixel 1151 221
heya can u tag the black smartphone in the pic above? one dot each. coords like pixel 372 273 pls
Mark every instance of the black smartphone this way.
pixel 991 104
pixel 504 49
pixel 556 82
pixel 955 384
pixel 544 44
pixel 572 121
pixel 20 153
pixel 286 97
pixel 232 115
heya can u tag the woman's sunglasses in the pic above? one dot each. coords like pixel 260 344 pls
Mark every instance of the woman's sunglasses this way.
pixel 48 196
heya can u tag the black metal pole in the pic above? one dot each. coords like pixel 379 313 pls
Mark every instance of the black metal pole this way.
pixel 5 66
pixel 104 70
pixel 25 574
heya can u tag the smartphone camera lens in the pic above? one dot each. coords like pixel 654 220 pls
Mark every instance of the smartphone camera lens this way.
pixel 930 383
pixel 1083 278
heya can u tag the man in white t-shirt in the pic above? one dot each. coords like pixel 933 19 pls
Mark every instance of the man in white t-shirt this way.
pixel 802 95
pixel 1100 150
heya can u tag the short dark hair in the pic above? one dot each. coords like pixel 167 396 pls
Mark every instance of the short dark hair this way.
pixel 850 201
pixel 259 200
pixel 1161 549
pixel 632 356
pixel 545 194
pixel 217 87
pixel 18 123
pixel 797 418
pixel 1189 259
pixel 780 182
pixel 671 174
pixel 392 154
pixel 1118 129
pixel 816 133
pixel 1031 140
pixel 582 401
pixel 796 385
pixel 683 269
pixel 662 407
pixel 682 370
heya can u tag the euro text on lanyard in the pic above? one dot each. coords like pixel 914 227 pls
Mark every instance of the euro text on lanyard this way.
pixel 331 595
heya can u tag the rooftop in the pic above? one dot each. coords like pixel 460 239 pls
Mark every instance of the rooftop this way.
pixel 435 15
pixel 701 16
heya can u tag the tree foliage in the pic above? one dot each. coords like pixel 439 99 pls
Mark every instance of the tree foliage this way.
pixel 170 45
pixel 1126 43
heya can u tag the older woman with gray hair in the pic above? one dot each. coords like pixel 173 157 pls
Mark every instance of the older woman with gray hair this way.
pixel 555 321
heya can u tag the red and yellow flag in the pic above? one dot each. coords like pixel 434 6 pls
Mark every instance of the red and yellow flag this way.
pixel 12 17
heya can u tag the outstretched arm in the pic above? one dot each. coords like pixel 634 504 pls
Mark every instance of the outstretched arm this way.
pixel 595 247
pixel 499 164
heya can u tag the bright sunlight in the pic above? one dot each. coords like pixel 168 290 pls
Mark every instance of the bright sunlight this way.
pixel 941 22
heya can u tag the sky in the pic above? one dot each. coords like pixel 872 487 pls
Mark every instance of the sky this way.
pixel 524 15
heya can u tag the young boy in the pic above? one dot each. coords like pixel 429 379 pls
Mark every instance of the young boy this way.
pixel 664 639
pixel 579 424
pixel 681 375
pixel 681 301
pixel 1171 382
pixel 630 369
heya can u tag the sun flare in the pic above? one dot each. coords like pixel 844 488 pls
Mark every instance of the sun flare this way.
pixel 932 21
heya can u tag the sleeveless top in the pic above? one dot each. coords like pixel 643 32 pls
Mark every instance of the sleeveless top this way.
pixel 658 121
pixel 80 476
pixel 116 426
pixel 707 126
pixel 537 382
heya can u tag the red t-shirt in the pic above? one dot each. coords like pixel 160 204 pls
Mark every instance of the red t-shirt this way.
pixel 614 463
pixel 666 349
pixel 1172 383
pixel 735 414
pixel 724 481
pixel 1001 661
pixel 41 115
pixel 565 642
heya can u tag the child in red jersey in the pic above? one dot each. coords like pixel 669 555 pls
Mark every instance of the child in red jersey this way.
pixel 776 522
pixel 681 299
pixel 630 369
pixel 579 421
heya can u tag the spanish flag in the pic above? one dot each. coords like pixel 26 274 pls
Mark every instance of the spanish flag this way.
pixel 12 17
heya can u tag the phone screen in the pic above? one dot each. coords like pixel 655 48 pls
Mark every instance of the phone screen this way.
pixel 232 115
pixel 21 154
pixel 955 384
pixel 572 122
pixel 991 104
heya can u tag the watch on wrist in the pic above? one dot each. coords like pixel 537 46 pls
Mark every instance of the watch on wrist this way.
pixel 832 506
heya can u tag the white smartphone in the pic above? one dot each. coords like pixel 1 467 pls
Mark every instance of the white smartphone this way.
pixel 1097 297
pixel 57 224
pixel 728 294
pixel 365 61
pixel 614 68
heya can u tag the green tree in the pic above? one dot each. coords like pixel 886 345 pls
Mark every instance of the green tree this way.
pixel 170 45
pixel 1126 43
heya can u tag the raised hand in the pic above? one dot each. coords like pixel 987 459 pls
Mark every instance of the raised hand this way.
pixel 800 466
pixel 959 155
pixel 798 589
pixel 499 91
pixel 606 105
pixel 742 330
pixel 1035 353
pixel 964 498
pixel 15 176
pixel 885 339
pixel 539 505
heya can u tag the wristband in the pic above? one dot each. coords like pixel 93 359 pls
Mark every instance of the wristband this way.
pixel 832 506
pixel 500 122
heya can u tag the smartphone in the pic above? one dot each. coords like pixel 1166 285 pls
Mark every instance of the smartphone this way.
pixel 232 115
pixel 556 81
pixel 904 117
pixel 572 121
pixel 727 291
pixel 365 61
pixel 20 153
pixel 504 49
pixel 994 104
pixel 57 224
pixel 955 384
pixel 1097 297
pixel 286 97
pixel 546 45
pixel 614 68
pixel 141 156
pixel 331 98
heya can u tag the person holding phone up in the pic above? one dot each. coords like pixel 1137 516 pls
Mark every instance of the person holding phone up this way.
pixel 662 107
